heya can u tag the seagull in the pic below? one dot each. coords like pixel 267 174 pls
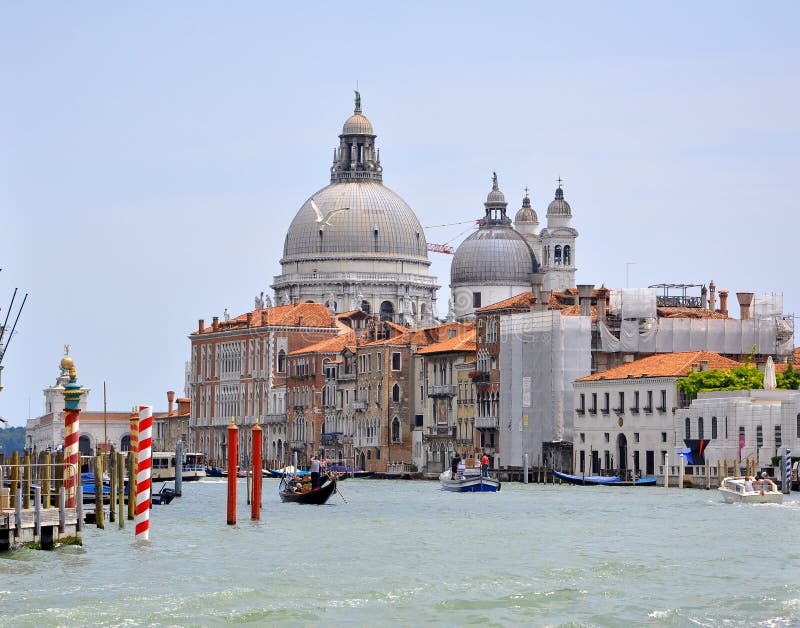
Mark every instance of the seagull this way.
pixel 326 219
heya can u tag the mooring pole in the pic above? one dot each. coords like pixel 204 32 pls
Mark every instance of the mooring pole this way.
pixel 256 446
pixel 233 456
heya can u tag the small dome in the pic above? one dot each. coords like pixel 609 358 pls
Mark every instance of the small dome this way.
pixel 495 255
pixel 526 213
pixel 495 197
pixel 357 124
pixel 558 206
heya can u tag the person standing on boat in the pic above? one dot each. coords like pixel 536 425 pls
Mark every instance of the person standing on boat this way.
pixel 485 465
pixel 454 467
pixel 314 469
pixel 766 482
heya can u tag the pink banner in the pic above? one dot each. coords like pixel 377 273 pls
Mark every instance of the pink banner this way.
pixel 741 444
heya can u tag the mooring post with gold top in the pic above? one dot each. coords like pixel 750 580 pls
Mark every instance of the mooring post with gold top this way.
pixel 72 397
pixel 256 499
pixel 233 456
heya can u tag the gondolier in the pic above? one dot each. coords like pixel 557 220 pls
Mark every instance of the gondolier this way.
pixel 314 469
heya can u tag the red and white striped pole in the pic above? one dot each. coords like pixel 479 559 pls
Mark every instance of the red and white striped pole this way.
pixel 143 465
pixel 72 459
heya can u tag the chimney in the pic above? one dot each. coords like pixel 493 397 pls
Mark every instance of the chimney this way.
pixel 602 295
pixel 585 298
pixel 263 317
pixel 712 296
pixel 170 399
pixel 201 326
pixel 703 365
pixel 745 301
pixel 215 323
pixel 723 302
pixel 537 282
pixel 695 367
pixel 183 406
pixel 296 300
pixel 299 321
pixel 704 296
pixel 249 319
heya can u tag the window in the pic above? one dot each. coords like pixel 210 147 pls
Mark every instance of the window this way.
pixel 379 360
pixel 700 427
pixel 663 437
pixel 476 299
pixel 663 406
pixel 636 437
pixel 688 428
pixel 395 360
pixel 606 402
pixel 593 408
pixel 759 436
pixel 581 409
pixel 606 436
pixel 797 427
pixel 620 403
pixel 395 393
pixel 635 407
pixel 566 255
pixel 583 438
pixel 281 361
pixel 649 405
pixel 395 430
pixel 778 436
pixel 713 427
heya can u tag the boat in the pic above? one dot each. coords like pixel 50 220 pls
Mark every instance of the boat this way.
pixel 288 470
pixel 164 496
pixel 735 490
pixel 87 486
pixel 349 472
pixel 163 466
pixel 603 480
pixel 292 491
pixel 470 481
pixel 214 472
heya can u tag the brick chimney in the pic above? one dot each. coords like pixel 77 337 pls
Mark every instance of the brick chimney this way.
pixel 585 298
pixel 723 302
pixel 602 295
pixel 170 399
pixel 249 319
pixel 215 323
pixel 184 406
pixel 704 296
pixel 712 296
pixel 745 303
pixel 201 326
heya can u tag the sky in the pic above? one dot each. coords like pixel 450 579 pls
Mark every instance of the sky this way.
pixel 152 155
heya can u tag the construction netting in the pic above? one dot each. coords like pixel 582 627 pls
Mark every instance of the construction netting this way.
pixel 633 303
pixel 767 305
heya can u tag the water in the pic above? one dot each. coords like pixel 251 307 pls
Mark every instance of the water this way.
pixel 406 553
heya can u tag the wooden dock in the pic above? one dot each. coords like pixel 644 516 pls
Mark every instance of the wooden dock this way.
pixel 44 527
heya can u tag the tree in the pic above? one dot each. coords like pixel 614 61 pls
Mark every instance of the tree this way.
pixel 789 379
pixel 745 377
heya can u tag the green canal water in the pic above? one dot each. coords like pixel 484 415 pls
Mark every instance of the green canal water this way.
pixel 406 553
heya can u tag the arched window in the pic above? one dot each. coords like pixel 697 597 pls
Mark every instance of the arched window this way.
pixel 395 430
pixel 713 427
pixel 567 252
pixel 396 393
pixel 387 311
pixel 281 361
pixel 700 427
pixel 365 306
pixel 688 428
pixel 557 255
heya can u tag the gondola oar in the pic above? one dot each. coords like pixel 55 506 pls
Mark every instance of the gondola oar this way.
pixel 340 493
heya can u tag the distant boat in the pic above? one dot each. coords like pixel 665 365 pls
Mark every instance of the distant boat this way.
pixel 734 490
pixel 602 480
pixel 163 466
pixel 163 496
pixel 470 481
pixel 349 472
pixel 214 472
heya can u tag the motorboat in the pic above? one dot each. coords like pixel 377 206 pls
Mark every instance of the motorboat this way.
pixel 163 466
pixel 740 490
pixel 468 481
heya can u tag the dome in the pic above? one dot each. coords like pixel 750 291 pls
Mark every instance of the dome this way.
pixel 526 213
pixel 377 224
pixel 493 255
pixel 357 124
pixel 558 206
pixel 495 196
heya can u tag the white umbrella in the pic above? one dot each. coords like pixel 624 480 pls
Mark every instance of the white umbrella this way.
pixel 769 375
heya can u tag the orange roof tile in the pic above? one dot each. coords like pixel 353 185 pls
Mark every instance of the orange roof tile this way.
pixel 464 342
pixel 329 345
pixel 519 301
pixel 664 365
pixel 299 315
pixel 688 312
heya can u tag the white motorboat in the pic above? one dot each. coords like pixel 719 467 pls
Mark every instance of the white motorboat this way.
pixel 750 492
pixel 469 481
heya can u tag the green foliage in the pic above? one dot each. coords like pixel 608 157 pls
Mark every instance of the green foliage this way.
pixel 744 377
pixel 789 379
pixel 12 439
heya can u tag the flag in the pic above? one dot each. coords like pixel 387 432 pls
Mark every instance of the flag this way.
pixel 741 444
pixel 686 453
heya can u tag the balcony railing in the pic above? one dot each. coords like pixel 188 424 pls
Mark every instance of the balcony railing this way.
pixel 331 439
pixel 634 410
pixel 487 422
pixel 297 445
pixel 359 406
pixel 442 390
pixel 442 431
pixel 274 419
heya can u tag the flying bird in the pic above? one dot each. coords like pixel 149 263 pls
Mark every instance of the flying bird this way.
pixel 326 219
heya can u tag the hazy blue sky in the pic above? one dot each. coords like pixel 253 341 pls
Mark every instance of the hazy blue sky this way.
pixel 152 155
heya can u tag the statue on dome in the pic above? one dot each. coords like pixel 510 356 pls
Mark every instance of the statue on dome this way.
pixel 358 102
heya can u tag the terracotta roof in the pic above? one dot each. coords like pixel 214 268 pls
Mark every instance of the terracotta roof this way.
pixel 464 342
pixel 423 337
pixel 688 312
pixel 299 315
pixel 519 301
pixel 329 345
pixel 665 365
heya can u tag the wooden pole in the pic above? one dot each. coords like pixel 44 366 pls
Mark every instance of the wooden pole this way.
pixel 46 487
pixel 131 485
pixel 256 501
pixel 99 508
pixel 121 487
pixel 14 478
pixel 112 494
pixel 233 451
pixel 26 481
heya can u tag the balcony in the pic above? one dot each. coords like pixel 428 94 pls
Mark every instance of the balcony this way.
pixel 359 406
pixel 647 409
pixel 274 419
pixel 442 431
pixel 479 377
pixel 297 445
pixel 592 410
pixel 634 410
pixel 442 390
pixel 331 439
pixel 661 409
pixel 487 422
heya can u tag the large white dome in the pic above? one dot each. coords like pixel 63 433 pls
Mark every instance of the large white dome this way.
pixel 376 224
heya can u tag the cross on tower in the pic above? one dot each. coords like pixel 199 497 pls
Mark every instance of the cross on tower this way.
pixel 559 181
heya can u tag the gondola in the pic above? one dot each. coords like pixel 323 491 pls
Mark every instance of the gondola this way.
pixel 602 480
pixel 317 496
